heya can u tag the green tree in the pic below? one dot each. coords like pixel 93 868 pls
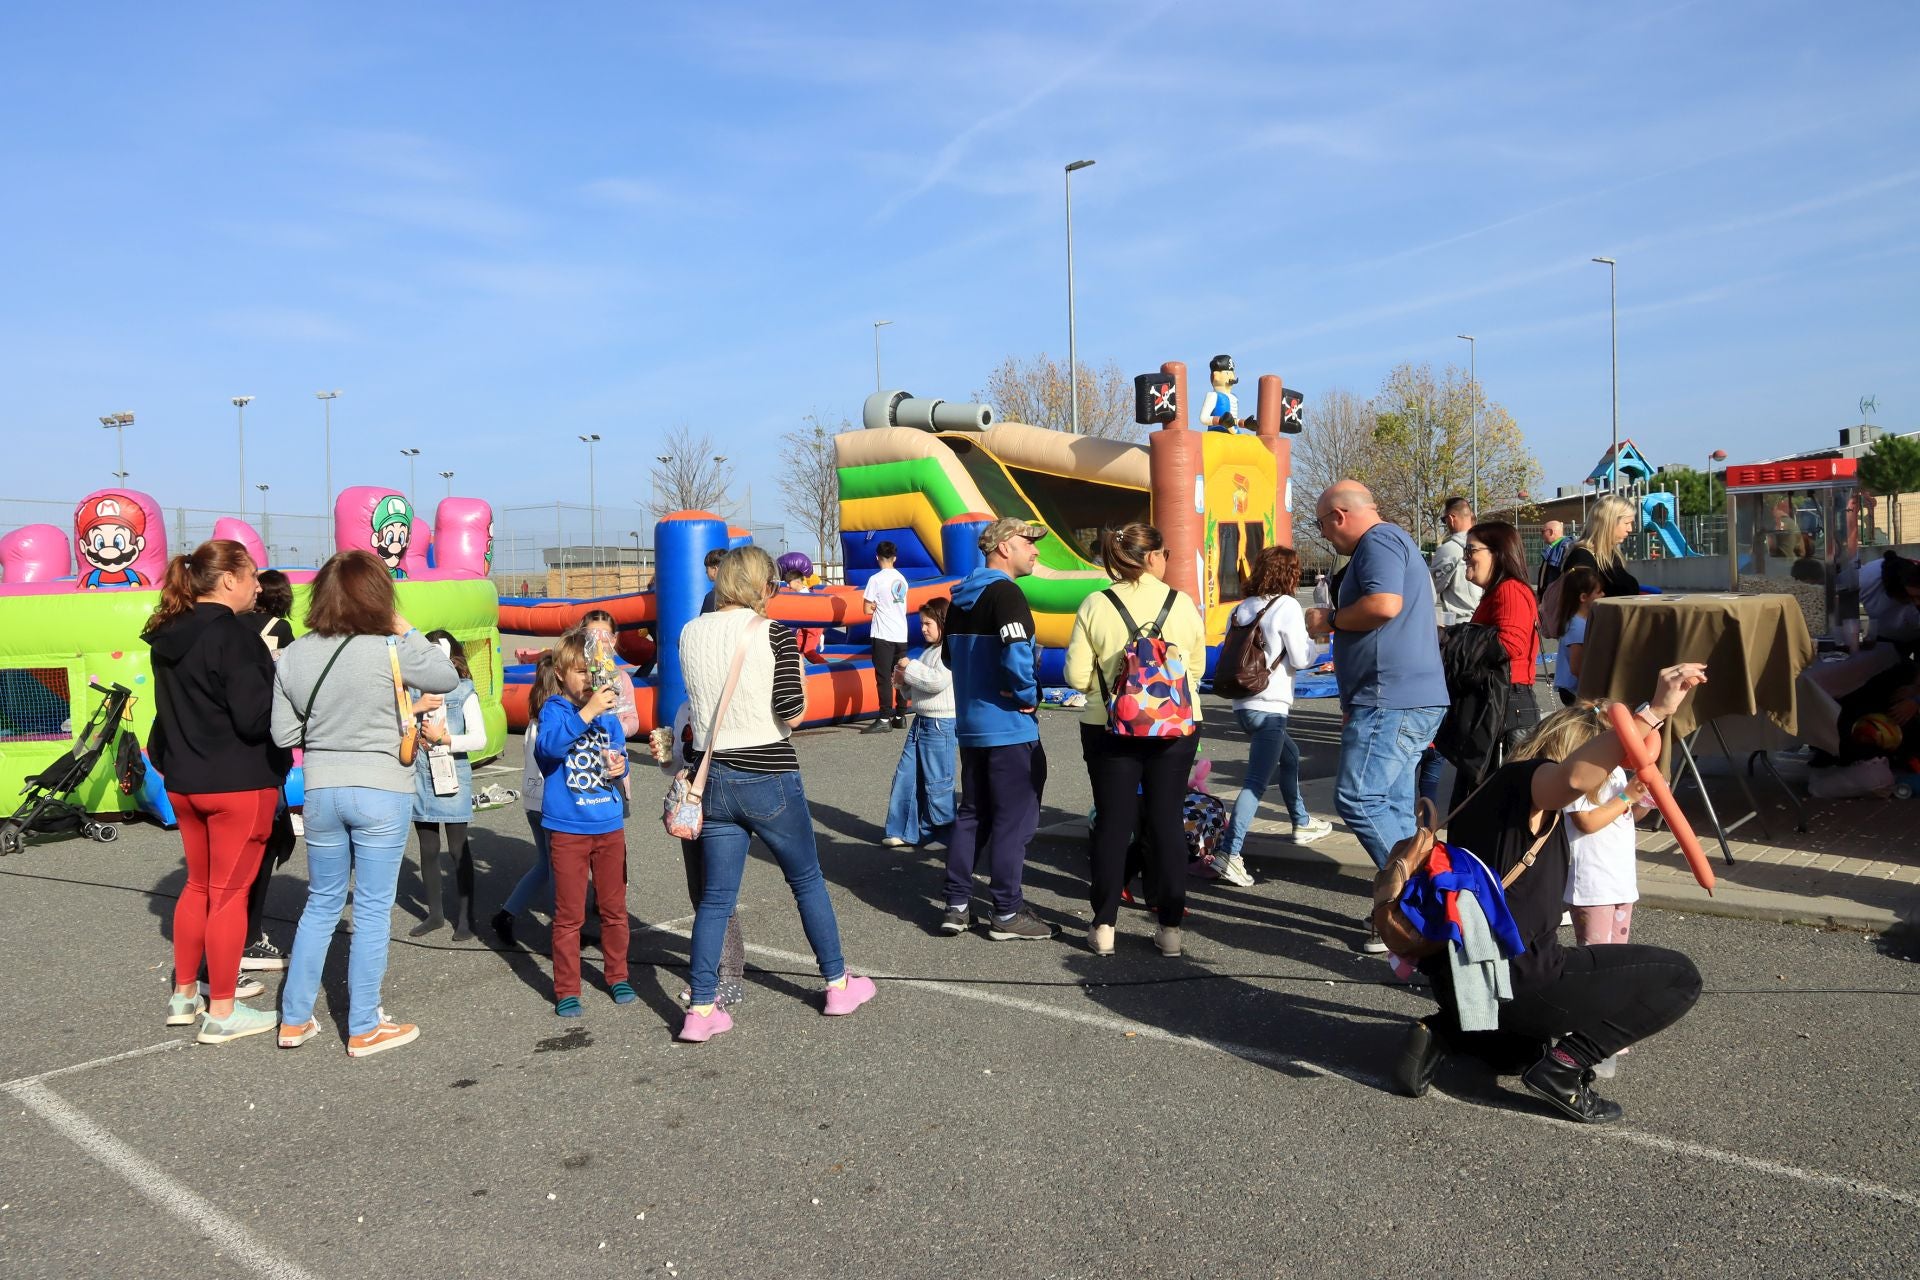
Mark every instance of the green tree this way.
pixel 1423 438
pixel 1891 468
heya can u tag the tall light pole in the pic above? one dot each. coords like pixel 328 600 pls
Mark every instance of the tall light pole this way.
pixel 593 505
pixel 326 399
pixel 240 404
pixel 118 424
pixel 448 477
pixel 266 538
pixel 411 455
pixel 877 326
pixel 1613 323
pixel 1073 374
pixel 1473 376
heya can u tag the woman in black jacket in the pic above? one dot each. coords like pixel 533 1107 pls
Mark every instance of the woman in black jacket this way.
pixel 212 741
pixel 1609 526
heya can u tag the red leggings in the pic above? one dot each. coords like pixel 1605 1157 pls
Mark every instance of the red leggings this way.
pixel 224 832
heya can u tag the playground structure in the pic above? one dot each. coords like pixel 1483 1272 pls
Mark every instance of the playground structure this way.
pixel 929 475
pixel 73 602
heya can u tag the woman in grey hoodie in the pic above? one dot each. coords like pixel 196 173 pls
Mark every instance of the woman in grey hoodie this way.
pixel 334 694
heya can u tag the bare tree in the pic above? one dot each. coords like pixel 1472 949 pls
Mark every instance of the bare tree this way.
pixel 1035 392
pixel 1336 444
pixel 690 474
pixel 812 483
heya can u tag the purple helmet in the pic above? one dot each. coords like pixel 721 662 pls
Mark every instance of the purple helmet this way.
pixel 794 562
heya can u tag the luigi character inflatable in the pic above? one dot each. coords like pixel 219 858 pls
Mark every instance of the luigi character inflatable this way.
pixel 392 529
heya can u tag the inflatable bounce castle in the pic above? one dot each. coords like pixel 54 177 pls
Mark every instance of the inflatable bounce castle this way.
pixel 928 476
pixel 73 602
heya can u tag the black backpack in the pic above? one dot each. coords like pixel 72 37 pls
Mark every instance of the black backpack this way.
pixel 1479 684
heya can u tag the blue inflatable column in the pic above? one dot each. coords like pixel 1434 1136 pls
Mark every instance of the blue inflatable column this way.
pixel 960 544
pixel 681 542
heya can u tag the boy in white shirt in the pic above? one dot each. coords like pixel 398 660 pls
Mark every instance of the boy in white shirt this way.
pixel 886 600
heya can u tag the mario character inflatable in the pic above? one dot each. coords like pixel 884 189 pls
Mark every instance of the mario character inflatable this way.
pixel 112 532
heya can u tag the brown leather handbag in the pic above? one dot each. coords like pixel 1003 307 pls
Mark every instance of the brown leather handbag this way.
pixel 1408 859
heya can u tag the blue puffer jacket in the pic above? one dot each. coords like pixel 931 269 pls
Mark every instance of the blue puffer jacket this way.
pixel 992 653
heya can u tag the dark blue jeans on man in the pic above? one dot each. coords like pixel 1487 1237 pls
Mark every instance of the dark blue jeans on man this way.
pixel 999 811
pixel 1379 763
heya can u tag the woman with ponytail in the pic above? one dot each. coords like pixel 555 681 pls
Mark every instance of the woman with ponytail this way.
pixel 212 741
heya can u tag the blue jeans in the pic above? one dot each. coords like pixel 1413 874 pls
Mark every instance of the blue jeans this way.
pixel 538 879
pixel 739 806
pixel 1432 765
pixel 1273 757
pixel 921 806
pixel 362 832
pixel 1379 760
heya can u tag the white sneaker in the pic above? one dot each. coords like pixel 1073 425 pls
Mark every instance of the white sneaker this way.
pixel 893 842
pixel 245 989
pixel 1314 829
pixel 1233 870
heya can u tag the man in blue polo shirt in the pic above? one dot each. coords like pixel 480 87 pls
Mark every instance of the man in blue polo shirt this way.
pixel 1386 655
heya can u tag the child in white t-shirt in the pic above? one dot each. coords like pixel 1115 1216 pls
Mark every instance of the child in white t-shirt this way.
pixel 1602 885
pixel 886 598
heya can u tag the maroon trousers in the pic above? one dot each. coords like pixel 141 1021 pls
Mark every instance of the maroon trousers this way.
pixel 575 858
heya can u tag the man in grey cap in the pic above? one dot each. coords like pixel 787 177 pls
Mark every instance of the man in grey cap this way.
pixel 991 651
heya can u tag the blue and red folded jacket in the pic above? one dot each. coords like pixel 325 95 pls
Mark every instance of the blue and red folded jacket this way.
pixel 1430 899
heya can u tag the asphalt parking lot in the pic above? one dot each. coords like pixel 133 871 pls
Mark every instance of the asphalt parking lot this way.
pixel 1020 1109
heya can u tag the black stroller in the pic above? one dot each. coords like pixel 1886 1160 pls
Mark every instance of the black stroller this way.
pixel 46 809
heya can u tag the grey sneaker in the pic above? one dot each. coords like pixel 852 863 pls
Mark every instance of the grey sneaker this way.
pixel 243 1021
pixel 1232 869
pixel 182 1010
pixel 1311 830
pixel 1372 944
pixel 956 920
pixel 1021 926
pixel 244 989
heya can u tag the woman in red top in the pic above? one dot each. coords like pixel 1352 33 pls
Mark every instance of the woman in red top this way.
pixel 1497 564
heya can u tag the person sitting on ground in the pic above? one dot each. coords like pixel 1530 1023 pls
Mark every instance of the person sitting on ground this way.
pixel 1573 1006
pixel 1599 549
pixel 1272 755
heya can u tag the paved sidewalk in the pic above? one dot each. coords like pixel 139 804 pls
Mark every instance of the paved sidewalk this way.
pixel 1858 869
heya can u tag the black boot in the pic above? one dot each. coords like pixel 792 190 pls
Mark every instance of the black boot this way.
pixel 1420 1055
pixel 463 894
pixel 503 927
pixel 1569 1087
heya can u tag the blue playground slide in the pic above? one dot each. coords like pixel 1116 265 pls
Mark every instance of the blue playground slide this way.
pixel 1656 514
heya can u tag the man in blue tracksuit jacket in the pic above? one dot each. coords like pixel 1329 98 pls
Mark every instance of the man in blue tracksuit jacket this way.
pixel 991 651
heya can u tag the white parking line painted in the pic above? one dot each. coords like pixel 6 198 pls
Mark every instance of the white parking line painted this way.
pixel 1266 1057
pixel 163 1047
pixel 155 1183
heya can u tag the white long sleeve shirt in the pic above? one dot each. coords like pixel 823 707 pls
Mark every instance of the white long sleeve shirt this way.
pixel 1284 633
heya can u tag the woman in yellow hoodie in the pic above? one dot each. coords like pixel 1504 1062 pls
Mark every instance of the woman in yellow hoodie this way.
pixel 1138 783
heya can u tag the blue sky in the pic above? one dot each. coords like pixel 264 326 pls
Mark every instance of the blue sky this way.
pixel 495 226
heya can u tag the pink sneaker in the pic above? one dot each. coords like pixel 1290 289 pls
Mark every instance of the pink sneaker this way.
pixel 699 1028
pixel 850 997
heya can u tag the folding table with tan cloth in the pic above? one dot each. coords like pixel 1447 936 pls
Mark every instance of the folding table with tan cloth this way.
pixel 1754 648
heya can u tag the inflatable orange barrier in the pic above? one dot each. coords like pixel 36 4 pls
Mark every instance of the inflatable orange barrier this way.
pixel 1643 761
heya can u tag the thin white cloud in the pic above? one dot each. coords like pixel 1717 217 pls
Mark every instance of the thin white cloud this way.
pixel 635 193
pixel 283 324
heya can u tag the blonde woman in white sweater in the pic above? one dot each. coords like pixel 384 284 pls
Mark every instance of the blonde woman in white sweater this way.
pixel 920 807
pixel 753 784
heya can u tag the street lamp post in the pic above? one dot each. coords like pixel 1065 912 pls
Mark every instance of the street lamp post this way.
pixel 1473 376
pixel 877 326
pixel 240 404
pixel 1073 374
pixel 118 424
pixel 1613 325
pixel 411 455
pixel 266 534
pixel 593 507
pixel 326 399
pixel 448 477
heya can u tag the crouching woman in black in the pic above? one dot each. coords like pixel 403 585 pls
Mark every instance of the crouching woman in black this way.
pixel 1572 1006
